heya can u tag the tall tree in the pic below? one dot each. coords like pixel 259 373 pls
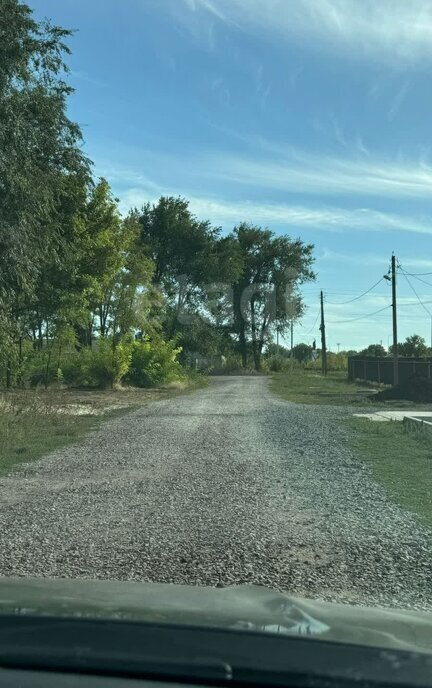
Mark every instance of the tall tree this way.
pixel 414 346
pixel 41 165
pixel 104 241
pixel 266 293
pixel 39 144
pixel 188 254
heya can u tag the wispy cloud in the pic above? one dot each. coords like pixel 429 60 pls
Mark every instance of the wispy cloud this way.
pixel 391 30
pixel 398 100
pixel 278 167
pixel 372 259
pixel 87 78
pixel 136 191
pixel 299 172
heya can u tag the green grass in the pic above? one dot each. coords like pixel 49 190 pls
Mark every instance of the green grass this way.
pixel 34 423
pixel 310 387
pixel 28 435
pixel 400 459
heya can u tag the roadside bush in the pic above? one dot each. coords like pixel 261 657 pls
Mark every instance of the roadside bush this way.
pixel 154 363
pixel 75 368
pixel 102 366
pixel 278 364
pixel 107 365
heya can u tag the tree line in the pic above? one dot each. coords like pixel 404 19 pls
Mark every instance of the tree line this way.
pixel 91 297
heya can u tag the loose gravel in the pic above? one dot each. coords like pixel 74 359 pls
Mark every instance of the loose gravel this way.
pixel 226 485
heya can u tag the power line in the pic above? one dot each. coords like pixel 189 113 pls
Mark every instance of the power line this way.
pixel 361 317
pixel 313 326
pixel 417 274
pixel 356 298
pixel 429 284
pixel 415 292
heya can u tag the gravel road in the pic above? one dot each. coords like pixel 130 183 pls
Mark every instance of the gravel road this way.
pixel 228 484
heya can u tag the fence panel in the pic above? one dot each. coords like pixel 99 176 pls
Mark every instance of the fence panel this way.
pixel 381 369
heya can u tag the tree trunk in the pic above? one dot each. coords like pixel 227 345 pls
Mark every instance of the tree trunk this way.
pixel 8 374
pixel 255 347
pixel 20 361
pixel 242 345
pixel 40 336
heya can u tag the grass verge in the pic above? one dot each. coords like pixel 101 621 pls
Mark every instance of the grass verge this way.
pixel 34 423
pixel 310 387
pixel 400 459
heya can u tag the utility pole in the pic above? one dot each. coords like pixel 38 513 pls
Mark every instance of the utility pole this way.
pixel 292 337
pixel 323 339
pixel 338 346
pixel 394 311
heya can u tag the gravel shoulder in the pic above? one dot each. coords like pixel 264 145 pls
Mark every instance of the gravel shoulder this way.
pixel 226 485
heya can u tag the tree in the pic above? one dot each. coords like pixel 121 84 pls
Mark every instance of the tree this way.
pixel 277 350
pixel 104 240
pixel 39 144
pixel 265 295
pixel 373 351
pixel 302 352
pixel 42 170
pixel 414 346
pixel 188 255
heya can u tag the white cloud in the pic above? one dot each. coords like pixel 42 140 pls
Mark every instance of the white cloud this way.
pixel 292 217
pixel 295 171
pixel 374 258
pixel 398 101
pixel 389 30
pixel 279 167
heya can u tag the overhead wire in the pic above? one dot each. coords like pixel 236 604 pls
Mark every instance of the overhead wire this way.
pixel 361 317
pixel 419 279
pixel 313 326
pixel 356 298
pixel 415 292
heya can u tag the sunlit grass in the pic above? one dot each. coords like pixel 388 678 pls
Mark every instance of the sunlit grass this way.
pixel 400 459
pixel 310 387
pixel 34 423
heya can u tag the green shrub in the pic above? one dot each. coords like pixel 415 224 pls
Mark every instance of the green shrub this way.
pixel 278 364
pixel 154 363
pixel 75 368
pixel 107 365
pixel 102 366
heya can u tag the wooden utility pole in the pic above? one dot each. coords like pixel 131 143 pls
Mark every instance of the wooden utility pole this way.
pixel 394 311
pixel 292 337
pixel 323 339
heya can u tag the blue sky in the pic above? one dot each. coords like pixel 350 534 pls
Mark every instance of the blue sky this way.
pixel 309 116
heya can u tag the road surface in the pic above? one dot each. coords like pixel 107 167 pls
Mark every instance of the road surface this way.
pixel 226 485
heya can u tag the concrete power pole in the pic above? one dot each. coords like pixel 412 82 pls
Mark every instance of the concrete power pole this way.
pixel 323 339
pixel 394 312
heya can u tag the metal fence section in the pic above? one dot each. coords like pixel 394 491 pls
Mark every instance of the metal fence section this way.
pixel 381 369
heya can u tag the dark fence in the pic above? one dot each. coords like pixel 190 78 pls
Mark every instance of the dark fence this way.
pixel 381 369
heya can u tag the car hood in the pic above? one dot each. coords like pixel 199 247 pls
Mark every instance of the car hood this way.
pixel 244 607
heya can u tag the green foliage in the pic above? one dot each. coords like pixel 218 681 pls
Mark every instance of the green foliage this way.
pixel 335 362
pixel 302 352
pixel 277 350
pixel 154 362
pixel 33 105
pixel 278 364
pixel 373 350
pixel 266 291
pixel 78 282
pixel 109 363
pixel 414 346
